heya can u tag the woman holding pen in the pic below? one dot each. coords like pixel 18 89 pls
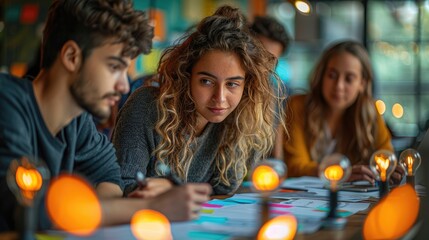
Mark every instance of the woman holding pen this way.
pixel 212 116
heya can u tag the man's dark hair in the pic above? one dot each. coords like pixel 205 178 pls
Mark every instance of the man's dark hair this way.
pixel 90 23
pixel 270 28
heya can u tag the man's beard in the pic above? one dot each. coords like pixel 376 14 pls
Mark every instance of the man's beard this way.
pixel 82 94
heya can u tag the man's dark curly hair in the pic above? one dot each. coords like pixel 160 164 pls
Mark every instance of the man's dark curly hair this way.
pixel 270 28
pixel 90 23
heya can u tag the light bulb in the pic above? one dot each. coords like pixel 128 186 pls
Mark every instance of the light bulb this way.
pixel 334 169
pixel 410 159
pixel 303 6
pixel 268 175
pixel 150 225
pixel 27 179
pixel 394 215
pixel 279 228
pixel 73 205
pixel 383 164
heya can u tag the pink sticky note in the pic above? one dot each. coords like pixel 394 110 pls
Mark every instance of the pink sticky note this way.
pixel 280 205
pixel 210 205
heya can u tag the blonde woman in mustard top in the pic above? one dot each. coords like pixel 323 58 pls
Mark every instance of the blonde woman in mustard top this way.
pixel 337 115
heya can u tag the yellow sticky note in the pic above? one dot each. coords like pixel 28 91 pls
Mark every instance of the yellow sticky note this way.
pixel 207 211
pixel 49 237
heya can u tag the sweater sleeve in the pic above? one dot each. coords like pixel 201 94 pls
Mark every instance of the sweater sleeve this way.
pixel 223 189
pixel 383 139
pixel 95 156
pixel 133 137
pixel 296 151
pixel 235 181
pixel 14 143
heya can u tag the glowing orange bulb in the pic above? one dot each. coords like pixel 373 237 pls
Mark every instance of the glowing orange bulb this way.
pixel 280 228
pixel 303 6
pixel 334 173
pixel 73 205
pixel 382 165
pixel 389 219
pixel 265 178
pixel 150 225
pixel 28 179
pixel 410 159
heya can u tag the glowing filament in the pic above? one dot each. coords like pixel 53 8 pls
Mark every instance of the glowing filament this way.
pixel 382 166
pixel 410 162
pixel 334 173
pixel 265 178
pixel 28 179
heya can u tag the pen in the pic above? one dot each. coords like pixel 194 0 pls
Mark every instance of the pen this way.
pixel 294 189
pixel 141 180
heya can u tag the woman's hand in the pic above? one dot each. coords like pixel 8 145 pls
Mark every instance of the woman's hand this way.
pixel 397 175
pixel 362 173
pixel 182 203
pixel 154 187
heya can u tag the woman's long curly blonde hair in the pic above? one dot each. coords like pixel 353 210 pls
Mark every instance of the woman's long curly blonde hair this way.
pixel 356 134
pixel 249 129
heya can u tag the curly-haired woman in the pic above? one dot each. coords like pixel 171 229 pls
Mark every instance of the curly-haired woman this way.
pixel 212 116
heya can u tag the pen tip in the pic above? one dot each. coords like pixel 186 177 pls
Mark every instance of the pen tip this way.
pixel 139 176
pixel 163 168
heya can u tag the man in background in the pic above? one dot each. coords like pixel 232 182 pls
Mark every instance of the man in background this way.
pixel 276 40
pixel 272 34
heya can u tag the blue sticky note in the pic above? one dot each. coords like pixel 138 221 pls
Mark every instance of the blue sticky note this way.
pixel 223 202
pixel 218 220
pixel 207 236
pixel 241 200
pixel 340 213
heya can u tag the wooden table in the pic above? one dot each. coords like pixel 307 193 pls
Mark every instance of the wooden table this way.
pixel 352 230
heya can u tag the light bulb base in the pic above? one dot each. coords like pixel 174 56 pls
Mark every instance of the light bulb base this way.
pixel 265 210
pixel 334 223
pixel 27 223
pixel 383 188
pixel 333 203
pixel 410 180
